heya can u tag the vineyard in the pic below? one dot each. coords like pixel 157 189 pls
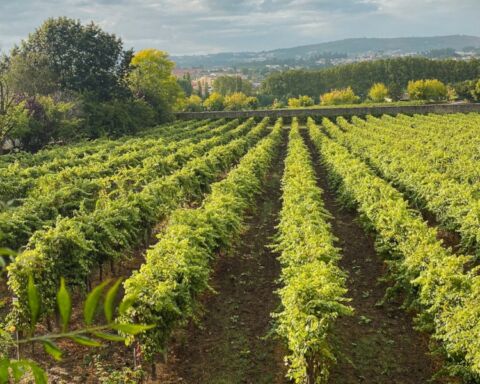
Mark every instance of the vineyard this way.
pixel 327 250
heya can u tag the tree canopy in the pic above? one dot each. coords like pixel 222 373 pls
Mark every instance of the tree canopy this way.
pixel 62 54
pixel 226 85
pixel 394 73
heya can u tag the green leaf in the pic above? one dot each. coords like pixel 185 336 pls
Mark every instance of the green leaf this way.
pixel 85 341
pixel 125 304
pixel 33 301
pixel 64 305
pixel 38 373
pixel 91 302
pixel 110 300
pixel 4 364
pixel 132 329
pixel 18 369
pixel 52 349
pixel 7 252
pixel 108 336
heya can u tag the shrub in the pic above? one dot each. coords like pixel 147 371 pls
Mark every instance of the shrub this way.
pixel 378 93
pixel 339 96
pixel 301 101
pixel 278 104
pixel 214 102
pixel 116 117
pixel 235 101
pixel 193 104
pixel 251 102
pixel 431 89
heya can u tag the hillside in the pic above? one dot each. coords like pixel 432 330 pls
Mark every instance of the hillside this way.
pixel 340 48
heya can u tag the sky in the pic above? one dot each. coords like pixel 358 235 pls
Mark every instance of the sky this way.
pixel 211 26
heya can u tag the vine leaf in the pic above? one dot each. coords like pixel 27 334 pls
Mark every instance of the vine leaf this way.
pixel 33 300
pixel 38 373
pixel 108 336
pixel 4 364
pixel 110 299
pixel 52 349
pixel 91 302
pixel 64 305
pixel 85 341
pixel 125 304
pixel 132 329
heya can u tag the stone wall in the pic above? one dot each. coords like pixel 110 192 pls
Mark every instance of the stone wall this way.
pixel 335 111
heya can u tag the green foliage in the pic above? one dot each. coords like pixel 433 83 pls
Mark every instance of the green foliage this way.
pixel 48 120
pixel 251 103
pixel 476 91
pixel 214 102
pixel 177 268
pixel 151 79
pixel 81 58
pixel 69 81
pixel 193 104
pixel 277 104
pixel 235 101
pixel 313 289
pixel 395 73
pixel 88 336
pixel 120 220
pixel 435 280
pixel 339 96
pixel 226 85
pixel 378 92
pixel 186 84
pixel 115 118
pixel 443 182
pixel 301 101
pixel 427 90
pixel 13 122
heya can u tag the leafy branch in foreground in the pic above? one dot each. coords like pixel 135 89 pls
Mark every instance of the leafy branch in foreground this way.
pixel 90 335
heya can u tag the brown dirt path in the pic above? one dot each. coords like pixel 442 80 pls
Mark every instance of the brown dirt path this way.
pixel 230 344
pixel 378 344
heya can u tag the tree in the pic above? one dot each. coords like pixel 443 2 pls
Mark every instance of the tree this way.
pixel 277 104
pixel 251 102
pixel 214 102
pixel 80 58
pixel 339 96
pixel 29 74
pixel 235 101
pixel 395 73
pixel 151 79
pixel 226 85
pixel 301 101
pixel 193 104
pixel 475 92
pixel 431 89
pixel 378 92
pixel 186 84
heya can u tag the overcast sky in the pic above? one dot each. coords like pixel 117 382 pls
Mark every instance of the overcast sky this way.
pixel 208 26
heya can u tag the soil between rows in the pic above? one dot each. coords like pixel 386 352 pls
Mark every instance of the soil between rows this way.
pixel 377 345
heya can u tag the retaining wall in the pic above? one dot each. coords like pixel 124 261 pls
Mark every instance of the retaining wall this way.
pixel 335 111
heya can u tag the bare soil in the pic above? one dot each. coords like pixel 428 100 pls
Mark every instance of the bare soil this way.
pixel 377 345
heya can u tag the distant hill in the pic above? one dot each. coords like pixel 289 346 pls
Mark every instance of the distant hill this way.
pixel 341 48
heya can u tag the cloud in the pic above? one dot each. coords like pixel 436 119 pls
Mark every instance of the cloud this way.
pixel 204 26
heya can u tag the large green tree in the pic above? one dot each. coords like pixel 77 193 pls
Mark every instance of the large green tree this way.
pixel 68 56
pixel 151 79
